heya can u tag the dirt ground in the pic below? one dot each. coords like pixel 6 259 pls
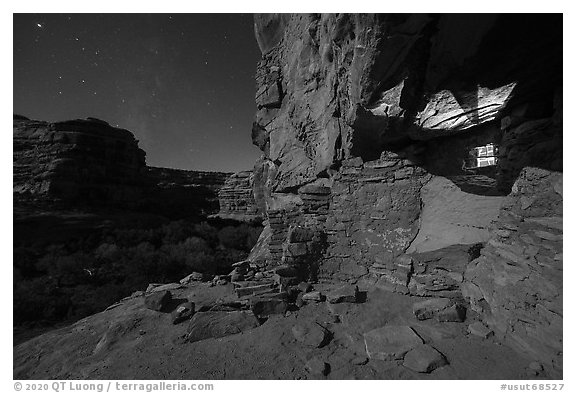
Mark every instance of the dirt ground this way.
pixel 129 341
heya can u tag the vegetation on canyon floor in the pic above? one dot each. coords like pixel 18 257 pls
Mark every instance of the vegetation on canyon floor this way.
pixel 64 282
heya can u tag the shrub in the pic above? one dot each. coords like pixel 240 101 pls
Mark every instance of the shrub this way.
pixel 65 282
pixel 242 237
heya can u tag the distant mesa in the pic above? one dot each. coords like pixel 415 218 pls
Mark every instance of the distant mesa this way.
pixel 76 159
pixel 89 162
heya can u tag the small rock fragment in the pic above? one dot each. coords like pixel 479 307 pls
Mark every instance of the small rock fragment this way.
pixel 343 294
pixel 286 271
pixel 480 330
pixel 158 301
pixel 182 312
pixel 312 297
pixel 424 359
pixel 196 276
pixel 536 366
pixel 318 366
pixel 236 276
pixel 429 308
pixel 313 336
pixel 454 313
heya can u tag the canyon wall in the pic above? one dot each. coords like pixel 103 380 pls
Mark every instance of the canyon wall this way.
pixel 236 198
pixel 86 160
pixel 388 135
pixel 192 194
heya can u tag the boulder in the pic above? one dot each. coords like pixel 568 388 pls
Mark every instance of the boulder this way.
pixel 313 297
pixel 158 301
pixel 263 306
pixel 236 275
pixel 312 335
pixel 454 313
pixel 424 359
pixel 317 366
pixel 343 294
pixel 480 330
pixel 183 312
pixel 304 287
pixel 195 276
pixel 429 308
pixel 390 342
pixel 286 271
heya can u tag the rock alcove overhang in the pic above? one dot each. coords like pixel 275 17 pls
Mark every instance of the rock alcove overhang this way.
pixel 450 74
pixel 430 89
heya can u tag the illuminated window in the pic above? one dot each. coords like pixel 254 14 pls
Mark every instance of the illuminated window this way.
pixel 482 156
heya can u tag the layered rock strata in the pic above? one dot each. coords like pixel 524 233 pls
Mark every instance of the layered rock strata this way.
pixel 236 198
pixel 411 131
pixel 516 283
pixel 86 160
pixel 191 193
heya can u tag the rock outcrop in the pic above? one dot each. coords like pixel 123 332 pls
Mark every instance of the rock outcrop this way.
pixel 191 193
pixel 516 283
pixel 236 198
pixel 391 134
pixel 86 160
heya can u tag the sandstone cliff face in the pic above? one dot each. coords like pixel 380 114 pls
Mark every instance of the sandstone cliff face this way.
pixel 236 198
pixel 192 194
pixel 387 134
pixel 85 160
pixel 517 281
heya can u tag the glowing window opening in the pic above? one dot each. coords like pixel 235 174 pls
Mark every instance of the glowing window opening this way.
pixel 482 156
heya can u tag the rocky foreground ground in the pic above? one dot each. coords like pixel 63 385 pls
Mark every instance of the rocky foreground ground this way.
pixel 217 329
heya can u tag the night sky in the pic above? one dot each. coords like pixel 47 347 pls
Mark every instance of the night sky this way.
pixel 182 83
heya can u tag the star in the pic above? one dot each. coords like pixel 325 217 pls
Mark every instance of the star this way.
pixel 40 25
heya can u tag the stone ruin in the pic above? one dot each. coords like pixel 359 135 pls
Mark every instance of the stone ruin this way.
pixel 387 137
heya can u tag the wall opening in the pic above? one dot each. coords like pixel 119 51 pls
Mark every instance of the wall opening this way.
pixel 482 156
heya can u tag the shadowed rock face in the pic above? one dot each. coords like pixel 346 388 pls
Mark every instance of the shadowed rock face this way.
pixel 236 198
pixel 84 160
pixel 387 134
pixel 517 281
pixel 88 162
